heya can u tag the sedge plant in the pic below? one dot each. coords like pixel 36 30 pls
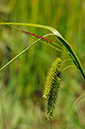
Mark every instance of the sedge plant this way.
pixel 53 80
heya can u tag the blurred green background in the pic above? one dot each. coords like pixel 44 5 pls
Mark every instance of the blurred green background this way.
pixel 22 82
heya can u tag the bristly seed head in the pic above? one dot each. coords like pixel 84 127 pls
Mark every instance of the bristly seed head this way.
pixel 52 86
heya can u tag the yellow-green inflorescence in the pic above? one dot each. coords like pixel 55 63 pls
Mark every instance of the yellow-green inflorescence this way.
pixel 52 86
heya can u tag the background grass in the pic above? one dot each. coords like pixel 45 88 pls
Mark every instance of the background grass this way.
pixel 22 82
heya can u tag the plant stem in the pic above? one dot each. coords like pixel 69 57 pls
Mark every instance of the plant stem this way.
pixel 73 107
pixel 18 56
pixel 51 124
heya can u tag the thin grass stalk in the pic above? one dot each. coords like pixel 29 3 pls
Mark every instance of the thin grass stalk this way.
pixel 73 108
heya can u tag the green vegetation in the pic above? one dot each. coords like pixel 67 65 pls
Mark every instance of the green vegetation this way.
pixel 22 82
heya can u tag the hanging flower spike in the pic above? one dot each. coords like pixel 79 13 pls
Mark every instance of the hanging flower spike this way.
pixel 52 86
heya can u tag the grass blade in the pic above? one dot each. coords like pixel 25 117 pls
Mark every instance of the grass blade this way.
pixel 59 37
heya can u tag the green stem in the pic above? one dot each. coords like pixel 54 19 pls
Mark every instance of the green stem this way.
pixel 26 50
pixel 73 55
pixel 73 107
pixel 18 56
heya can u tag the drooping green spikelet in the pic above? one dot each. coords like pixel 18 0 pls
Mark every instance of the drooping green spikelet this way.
pixel 52 97
pixel 52 86
pixel 53 70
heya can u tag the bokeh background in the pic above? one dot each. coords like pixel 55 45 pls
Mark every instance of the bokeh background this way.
pixel 22 82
